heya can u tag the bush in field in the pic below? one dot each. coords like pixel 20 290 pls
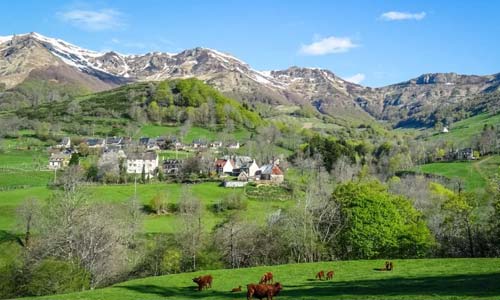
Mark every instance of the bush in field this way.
pixel 231 202
pixel 158 204
pixel 55 277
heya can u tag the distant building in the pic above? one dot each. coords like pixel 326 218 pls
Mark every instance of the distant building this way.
pixel 59 161
pixel 272 173
pixel 200 144
pixel 216 144
pixel 138 161
pixel 95 142
pixel 224 166
pixel 235 145
pixel 65 143
pixel 445 130
pixel 172 166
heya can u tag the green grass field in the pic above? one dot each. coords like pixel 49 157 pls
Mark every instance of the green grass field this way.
pixel 411 279
pixel 208 193
pixel 463 132
pixel 475 174
pixel 193 133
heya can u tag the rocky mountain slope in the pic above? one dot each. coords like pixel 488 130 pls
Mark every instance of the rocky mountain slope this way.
pixel 28 56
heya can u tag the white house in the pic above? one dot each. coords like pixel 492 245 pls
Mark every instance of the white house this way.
pixel 250 168
pixel 137 161
pixel 234 145
pixel 224 166
pixel 65 143
pixel 445 130
pixel 58 161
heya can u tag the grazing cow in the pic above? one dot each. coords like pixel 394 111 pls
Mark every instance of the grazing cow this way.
pixel 262 291
pixel 329 275
pixel 267 278
pixel 203 282
pixel 320 275
pixel 238 289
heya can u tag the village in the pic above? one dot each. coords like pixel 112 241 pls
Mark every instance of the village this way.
pixel 145 157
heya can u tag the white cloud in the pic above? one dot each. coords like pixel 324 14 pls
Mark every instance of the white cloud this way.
pixel 357 78
pixel 328 45
pixel 93 20
pixel 401 16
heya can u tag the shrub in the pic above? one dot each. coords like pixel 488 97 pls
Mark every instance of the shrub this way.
pixel 54 277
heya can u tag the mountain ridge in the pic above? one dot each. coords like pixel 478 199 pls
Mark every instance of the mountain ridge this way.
pixel 329 93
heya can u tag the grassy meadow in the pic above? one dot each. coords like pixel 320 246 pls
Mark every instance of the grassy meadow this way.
pixel 463 132
pixel 411 279
pixel 209 193
pixel 475 174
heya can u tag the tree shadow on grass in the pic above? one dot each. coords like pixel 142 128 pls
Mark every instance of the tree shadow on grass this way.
pixel 184 292
pixel 473 285
pixel 480 285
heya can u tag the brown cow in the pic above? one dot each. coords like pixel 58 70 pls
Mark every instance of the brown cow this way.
pixel 203 282
pixel 238 289
pixel 320 275
pixel 262 291
pixel 329 275
pixel 267 278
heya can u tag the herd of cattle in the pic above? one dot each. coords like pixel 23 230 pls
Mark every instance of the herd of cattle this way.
pixel 267 288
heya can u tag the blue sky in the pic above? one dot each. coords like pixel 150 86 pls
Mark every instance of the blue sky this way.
pixel 372 42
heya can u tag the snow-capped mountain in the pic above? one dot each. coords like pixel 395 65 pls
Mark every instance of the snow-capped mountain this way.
pixel 27 55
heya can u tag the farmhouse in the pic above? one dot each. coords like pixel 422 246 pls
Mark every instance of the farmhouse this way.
pixel 216 144
pixel 95 142
pixel 172 166
pixel 272 173
pixel 250 168
pixel 224 166
pixel 139 161
pixel 59 160
pixel 65 143
pixel 235 145
pixel 200 144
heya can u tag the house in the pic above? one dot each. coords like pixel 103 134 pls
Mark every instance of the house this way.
pixel 250 168
pixel 224 166
pixel 271 173
pixel 139 161
pixel 95 142
pixel 243 176
pixel 172 166
pixel 114 141
pixel 65 143
pixel 144 141
pixel 235 145
pixel 199 144
pixel 59 160
pixel 152 145
pixel 466 154
pixel 445 130
pixel 216 144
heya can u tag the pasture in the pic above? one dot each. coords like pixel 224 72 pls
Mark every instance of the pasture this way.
pixel 474 174
pixel 410 279
pixel 209 193
pixel 463 132
pixel 193 133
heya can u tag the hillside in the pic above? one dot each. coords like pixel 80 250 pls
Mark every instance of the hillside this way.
pixel 411 279
pixel 166 102
pixel 475 175
pixel 464 132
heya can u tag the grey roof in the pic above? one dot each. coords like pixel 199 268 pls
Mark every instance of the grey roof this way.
pixel 142 156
